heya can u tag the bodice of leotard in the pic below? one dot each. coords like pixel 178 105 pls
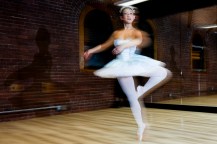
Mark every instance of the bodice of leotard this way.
pixel 127 52
pixel 129 63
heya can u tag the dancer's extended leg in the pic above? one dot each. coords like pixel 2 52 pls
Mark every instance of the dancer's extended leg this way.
pixel 128 86
pixel 157 79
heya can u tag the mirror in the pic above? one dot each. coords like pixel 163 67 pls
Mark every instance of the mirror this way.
pixel 193 56
pixel 203 58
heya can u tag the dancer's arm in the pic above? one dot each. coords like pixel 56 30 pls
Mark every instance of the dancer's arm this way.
pixel 99 48
pixel 146 40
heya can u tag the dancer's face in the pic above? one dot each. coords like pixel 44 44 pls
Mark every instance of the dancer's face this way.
pixel 128 16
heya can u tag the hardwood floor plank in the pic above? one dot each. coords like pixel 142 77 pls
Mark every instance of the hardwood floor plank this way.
pixel 113 126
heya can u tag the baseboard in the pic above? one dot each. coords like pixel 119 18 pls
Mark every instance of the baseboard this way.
pixel 207 109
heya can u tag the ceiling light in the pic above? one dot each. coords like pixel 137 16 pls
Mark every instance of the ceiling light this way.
pixel 208 26
pixel 128 2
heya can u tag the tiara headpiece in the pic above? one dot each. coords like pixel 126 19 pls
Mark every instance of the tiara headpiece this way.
pixel 128 7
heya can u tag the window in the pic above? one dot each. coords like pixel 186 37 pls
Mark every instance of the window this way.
pixel 97 29
pixel 198 54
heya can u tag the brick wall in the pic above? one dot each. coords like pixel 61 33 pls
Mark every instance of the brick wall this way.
pixel 39 60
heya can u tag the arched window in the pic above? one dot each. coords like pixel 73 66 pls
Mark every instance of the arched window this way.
pixel 97 29
pixel 198 53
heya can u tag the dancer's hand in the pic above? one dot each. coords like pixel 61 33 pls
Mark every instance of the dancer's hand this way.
pixel 117 50
pixel 87 55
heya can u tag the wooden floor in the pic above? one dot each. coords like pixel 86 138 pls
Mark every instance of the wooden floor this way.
pixel 112 126
pixel 203 100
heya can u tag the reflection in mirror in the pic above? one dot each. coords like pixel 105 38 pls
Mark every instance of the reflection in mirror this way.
pixel 196 61
pixel 198 53
pixel 203 66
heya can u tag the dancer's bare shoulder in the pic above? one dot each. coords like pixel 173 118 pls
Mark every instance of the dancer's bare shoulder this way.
pixel 125 34
pixel 117 34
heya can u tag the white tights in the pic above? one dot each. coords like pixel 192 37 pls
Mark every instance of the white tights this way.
pixel 157 79
pixel 128 86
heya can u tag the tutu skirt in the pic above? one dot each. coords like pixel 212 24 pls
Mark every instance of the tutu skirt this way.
pixel 136 65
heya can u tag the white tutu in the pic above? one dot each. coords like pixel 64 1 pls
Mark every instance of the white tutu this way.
pixel 128 63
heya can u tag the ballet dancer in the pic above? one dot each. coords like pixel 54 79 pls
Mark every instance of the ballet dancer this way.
pixel 128 64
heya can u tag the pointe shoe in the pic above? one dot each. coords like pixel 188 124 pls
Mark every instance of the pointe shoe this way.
pixel 141 132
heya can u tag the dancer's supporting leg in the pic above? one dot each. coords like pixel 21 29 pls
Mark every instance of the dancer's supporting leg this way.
pixel 128 86
pixel 157 78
